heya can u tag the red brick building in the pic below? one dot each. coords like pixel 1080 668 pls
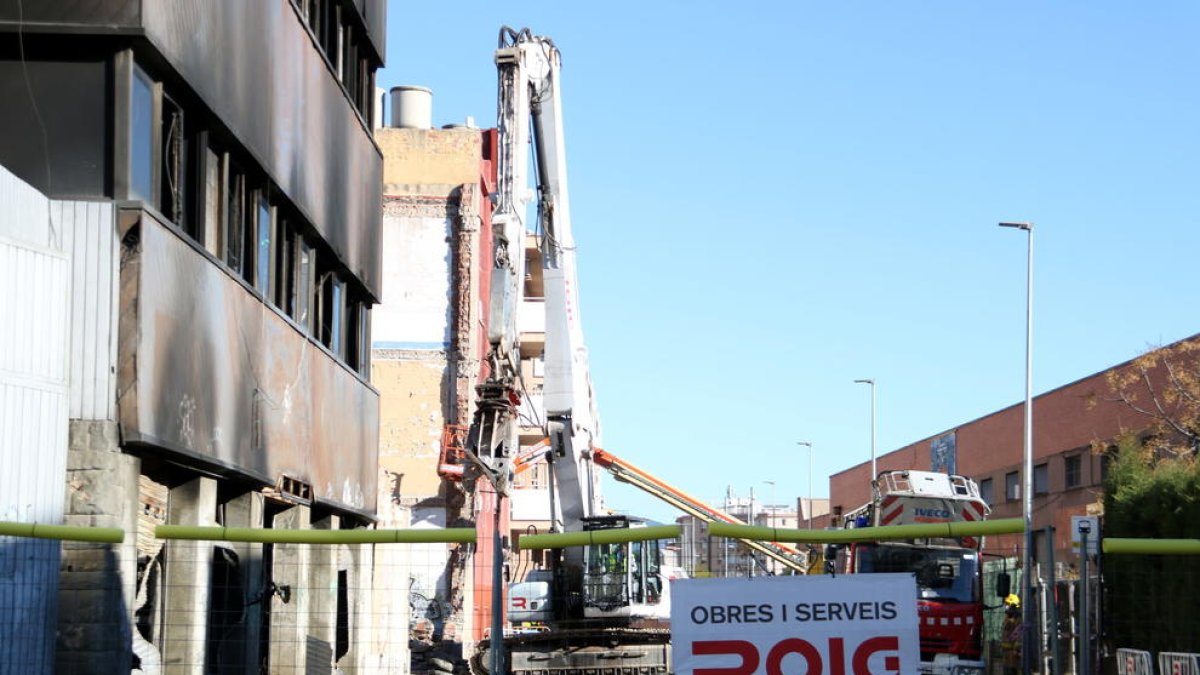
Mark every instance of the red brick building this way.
pixel 1068 475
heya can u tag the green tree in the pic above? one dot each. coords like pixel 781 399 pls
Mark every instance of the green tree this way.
pixel 1152 490
pixel 1151 601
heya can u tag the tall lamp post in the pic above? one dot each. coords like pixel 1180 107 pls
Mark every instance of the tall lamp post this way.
pixel 871 381
pixel 1028 615
pixel 810 496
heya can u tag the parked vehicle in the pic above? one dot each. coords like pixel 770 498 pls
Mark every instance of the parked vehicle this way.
pixel 948 571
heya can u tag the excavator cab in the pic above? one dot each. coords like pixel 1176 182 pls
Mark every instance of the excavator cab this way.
pixel 623 580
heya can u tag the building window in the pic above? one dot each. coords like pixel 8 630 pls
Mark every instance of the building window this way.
pixel 340 39
pixel 141 138
pixel 174 180
pixel 987 490
pixel 329 297
pixel 210 173
pixel 236 208
pixel 1012 486
pixel 1041 479
pixel 1073 471
pixel 262 257
pixel 285 265
pixel 356 333
pixel 305 281
pixel 337 328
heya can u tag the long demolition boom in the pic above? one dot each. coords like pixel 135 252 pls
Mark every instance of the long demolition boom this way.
pixel 626 472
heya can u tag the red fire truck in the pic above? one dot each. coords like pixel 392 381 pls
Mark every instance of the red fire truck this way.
pixel 948 571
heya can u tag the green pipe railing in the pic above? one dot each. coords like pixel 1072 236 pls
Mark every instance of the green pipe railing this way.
pixel 114 535
pixel 613 536
pixel 1118 545
pixel 271 536
pixel 850 535
pixel 101 535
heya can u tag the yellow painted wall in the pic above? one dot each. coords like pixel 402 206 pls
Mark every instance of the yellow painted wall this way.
pixel 426 157
pixel 411 416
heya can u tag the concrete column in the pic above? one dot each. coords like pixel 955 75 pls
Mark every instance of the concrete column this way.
pixel 386 648
pixel 97 582
pixel 322 584
pixel 358 561
pixel 187 575
pixel 247 510
pixel 289 606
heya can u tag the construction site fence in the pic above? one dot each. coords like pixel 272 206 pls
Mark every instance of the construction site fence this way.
pixel 1141 597
pixel 177 599
pixel 290 599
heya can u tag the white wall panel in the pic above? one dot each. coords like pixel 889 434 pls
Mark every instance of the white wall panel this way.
pixel 89 236
pixel 34 287
pixel 34 291
pixel 415 313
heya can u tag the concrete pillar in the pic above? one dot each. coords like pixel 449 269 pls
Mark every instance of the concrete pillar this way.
pixel 289 606
pixel 358 561
pixel 97 582
pixel 323 587
pixel 385 648
pixel 187 574
pixel 247 510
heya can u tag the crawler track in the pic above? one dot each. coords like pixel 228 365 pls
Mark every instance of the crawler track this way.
pixel 584 651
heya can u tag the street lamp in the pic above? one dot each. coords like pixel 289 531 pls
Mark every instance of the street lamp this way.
pixel 1027 480
pixel 810 502
pixel 871 381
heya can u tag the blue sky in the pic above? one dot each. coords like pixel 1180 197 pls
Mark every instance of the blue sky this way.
pixel 772 200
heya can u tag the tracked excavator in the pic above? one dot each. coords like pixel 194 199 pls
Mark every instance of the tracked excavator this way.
pixel 611 600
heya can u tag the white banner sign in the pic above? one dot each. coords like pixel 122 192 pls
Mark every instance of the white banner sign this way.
pixel 859 624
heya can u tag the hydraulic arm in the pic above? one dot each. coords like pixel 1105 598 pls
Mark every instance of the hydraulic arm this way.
pixel 627 472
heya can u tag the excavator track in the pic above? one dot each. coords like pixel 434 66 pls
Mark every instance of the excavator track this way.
pixel 590 651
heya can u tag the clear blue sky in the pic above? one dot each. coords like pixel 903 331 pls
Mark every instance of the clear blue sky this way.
pixel 774 199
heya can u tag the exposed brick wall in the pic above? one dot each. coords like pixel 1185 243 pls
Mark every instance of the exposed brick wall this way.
pixel 1066 421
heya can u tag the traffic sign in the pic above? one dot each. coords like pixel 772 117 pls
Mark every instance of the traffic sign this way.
pixel 1092 524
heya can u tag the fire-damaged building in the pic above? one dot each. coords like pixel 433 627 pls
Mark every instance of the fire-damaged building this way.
pixel 214 197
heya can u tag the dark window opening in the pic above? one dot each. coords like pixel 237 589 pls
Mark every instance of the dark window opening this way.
pixel 358 333
pixel 1041 479
pixel 987 490
pixel 147 615
pixel 342 638
pixel 236 207
pixel 226 645
pixel 1073 471
pixel 285 266
pixel 210 198
pixel 342 41
pixel 330 27
pixel 1012 486
pixel 322 291
pixel 174 178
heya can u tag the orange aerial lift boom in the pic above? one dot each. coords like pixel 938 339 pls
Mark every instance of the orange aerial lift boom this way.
pixel 627 472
